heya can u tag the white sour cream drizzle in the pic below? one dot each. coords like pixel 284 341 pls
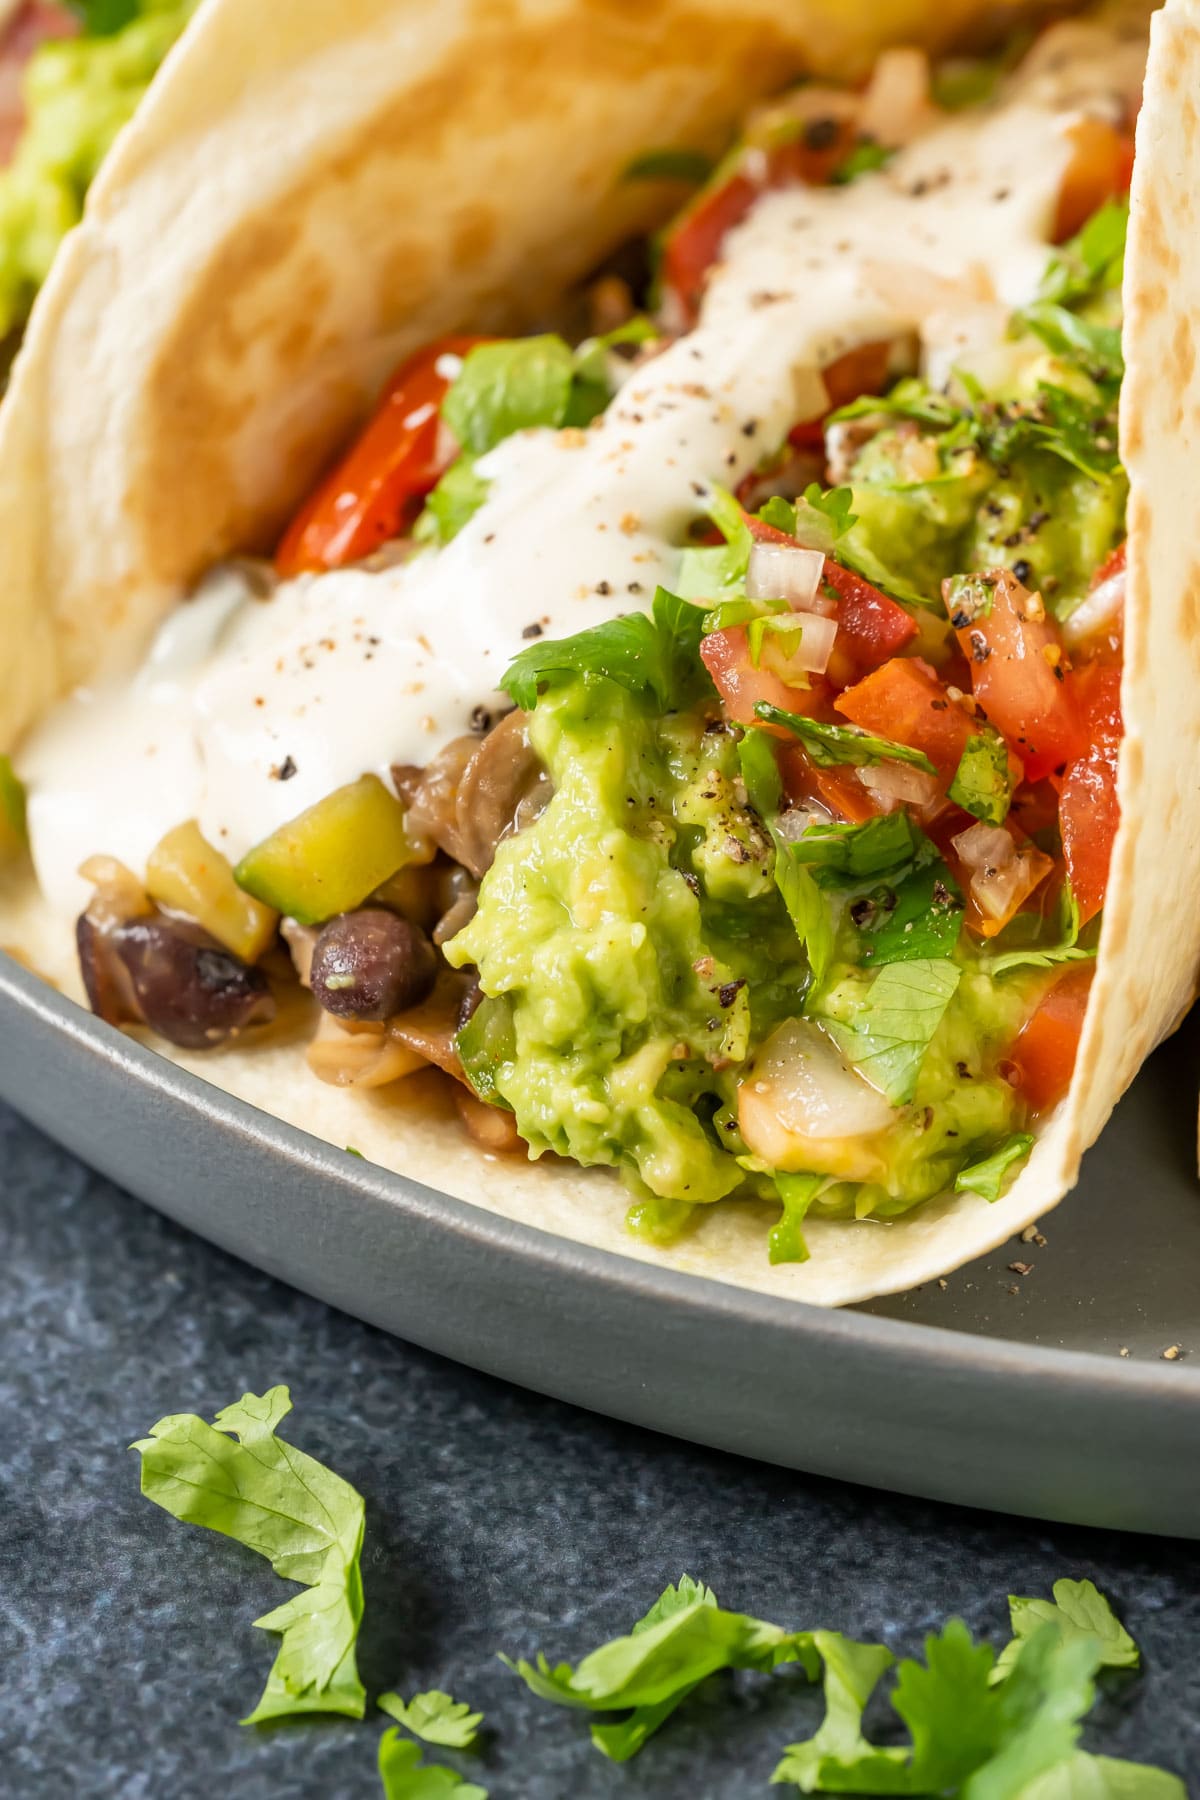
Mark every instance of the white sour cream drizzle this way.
pixel 358 669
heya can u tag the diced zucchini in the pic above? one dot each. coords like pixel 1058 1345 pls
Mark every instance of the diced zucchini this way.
pixel 331 857
pixel 14 836
pixel 186 874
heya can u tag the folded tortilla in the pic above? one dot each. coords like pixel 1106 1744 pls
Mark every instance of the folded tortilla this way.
pixel 261 251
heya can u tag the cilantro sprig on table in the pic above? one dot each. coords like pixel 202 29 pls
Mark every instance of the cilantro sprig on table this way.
pixel 980 1727
pixel 236 1476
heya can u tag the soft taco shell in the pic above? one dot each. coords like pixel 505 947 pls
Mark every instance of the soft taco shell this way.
pixel 203 342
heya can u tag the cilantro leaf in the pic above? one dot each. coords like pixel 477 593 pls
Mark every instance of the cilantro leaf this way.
pixel 909 399
pixel 506 387
pixel 655 656
pixel 983 782
pixel 237 1477
pixel 669 165
pixel 452 503
pixel 14 827
pixel 831 744
pixel 1078 1609
pixel 104 18
pixel 906 920
pixel 856 852
pixel 593 388
pixel 805 903
pixel 1096 347
pixel 406 1777
pixel 894 1026
pixel 822 516
pixel 786 1241
pixel 987 1178
pixel 1035 956
pixel 684 1638
pixel 866 156
pixel 710 570
pixel 838 1758
pixel 806 907
pixel 434 1716
pixel 1092 260
pixel 1084 1777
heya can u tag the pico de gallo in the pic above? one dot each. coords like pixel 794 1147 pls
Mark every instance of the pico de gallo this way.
pixel 765 648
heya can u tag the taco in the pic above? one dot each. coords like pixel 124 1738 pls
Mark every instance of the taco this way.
pixel 71 75
pixel 718 726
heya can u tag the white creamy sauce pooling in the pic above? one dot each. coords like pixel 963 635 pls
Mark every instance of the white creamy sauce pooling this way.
pixel 247 710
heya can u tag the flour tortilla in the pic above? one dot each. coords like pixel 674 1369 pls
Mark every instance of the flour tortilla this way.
pixel 209 333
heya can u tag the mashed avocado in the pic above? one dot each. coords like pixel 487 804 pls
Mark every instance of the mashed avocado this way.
pixel 78 94
pixel 636 951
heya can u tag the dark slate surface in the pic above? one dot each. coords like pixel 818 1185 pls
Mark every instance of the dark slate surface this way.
pixel 495 1520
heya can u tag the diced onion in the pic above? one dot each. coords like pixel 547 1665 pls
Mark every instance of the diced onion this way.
pixel 895 107
pixel 1097 613
pixel 898 784
pixel 803 1107
pixel 804 651
pixel 785 572
pixel 1001 875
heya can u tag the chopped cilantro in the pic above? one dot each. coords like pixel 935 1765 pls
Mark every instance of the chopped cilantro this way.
pixel 856 852
pixel 684 1638
pixel 406 1777
pixel 1091 261
pixel 822 517
pixel 797 1192
pixel 455 500
pixel 805 903
pixel 989 1177
pixel 655 656
pixel 1078 1609
pixel 236 1477
pixel 506 387
pixel 828 745
pixel 976 1730
pixel 908 919
pixel 709 570
pixel 983 782
pixel 1096 347
pixel 14 827
pixel 894 1026
pixel 434 1716
pixel 669 165
pixel 866 157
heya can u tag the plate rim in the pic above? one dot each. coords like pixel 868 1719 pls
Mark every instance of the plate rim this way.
pixel 547 1253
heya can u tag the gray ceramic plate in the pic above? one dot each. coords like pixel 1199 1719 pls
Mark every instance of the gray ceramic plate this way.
pixel 1044 1392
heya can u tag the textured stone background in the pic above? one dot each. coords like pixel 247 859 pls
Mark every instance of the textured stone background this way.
pixel 495 1520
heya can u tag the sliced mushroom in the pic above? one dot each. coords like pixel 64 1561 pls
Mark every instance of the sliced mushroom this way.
pixel 502 788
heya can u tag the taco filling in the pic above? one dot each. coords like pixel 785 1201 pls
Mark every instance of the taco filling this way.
pixel 699 739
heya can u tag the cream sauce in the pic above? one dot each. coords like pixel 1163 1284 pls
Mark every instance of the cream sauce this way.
pixel 246 710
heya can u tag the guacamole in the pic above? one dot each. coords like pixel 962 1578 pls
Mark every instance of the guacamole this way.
pixel 637 951
pixel 78 94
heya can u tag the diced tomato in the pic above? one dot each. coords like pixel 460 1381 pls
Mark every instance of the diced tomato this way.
pixel 1043 1056
pixel 905 701
pixel 374 492
pixel 1100 169
pixel 871 627
pixel 36 23
pixel 1113 565
pixel 838 789
pixel 742 687
pixel 1089 811
pixel 861 371
pixel 1017 676
pixel 693 243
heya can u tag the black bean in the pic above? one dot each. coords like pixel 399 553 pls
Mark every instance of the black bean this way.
pixel 372 964
pixel 172 976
